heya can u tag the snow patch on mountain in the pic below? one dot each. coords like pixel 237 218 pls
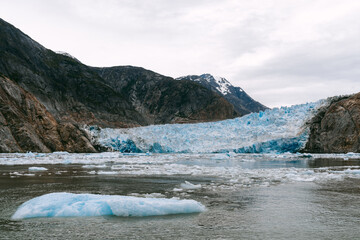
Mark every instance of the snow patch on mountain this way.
pixel 223 85
pixel 67 55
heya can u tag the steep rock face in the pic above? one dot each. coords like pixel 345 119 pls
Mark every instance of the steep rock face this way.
pixel 242 102
pixel 163 100
pixel 26 125
pixel 68 89
pixel 337 128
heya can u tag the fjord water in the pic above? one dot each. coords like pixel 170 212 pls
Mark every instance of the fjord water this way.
pixel 247 196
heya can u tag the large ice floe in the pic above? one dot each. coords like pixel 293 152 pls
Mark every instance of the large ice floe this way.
pixel 277 130
pixel 74 205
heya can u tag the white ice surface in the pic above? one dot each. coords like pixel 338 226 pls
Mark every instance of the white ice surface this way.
pixel 76 205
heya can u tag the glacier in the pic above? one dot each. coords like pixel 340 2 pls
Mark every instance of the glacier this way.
pixel 63 204
pixel 277 130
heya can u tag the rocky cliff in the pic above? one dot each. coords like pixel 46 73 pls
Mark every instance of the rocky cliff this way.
pixel 26 125
pixel 336 129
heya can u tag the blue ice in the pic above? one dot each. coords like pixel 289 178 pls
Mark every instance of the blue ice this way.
pixel 64 204
pixel 275 130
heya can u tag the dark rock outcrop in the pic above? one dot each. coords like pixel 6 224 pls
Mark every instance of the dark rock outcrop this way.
pixel 26 125
pixel 242 102
pixel 336 129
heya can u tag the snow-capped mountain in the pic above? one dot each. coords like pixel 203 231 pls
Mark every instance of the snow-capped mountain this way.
pixel 220 84
pixel 241 101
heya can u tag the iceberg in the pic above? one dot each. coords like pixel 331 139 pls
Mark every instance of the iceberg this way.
pixel 277 130
pixel 64 204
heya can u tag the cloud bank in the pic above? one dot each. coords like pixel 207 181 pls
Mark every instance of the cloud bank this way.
pixel 280 52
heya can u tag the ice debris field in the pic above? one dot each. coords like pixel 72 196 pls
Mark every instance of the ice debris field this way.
pixel 74 205
pixel 277 130
pixel 236 169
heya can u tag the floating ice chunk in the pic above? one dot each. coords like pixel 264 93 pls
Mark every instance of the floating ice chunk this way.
pixel 37 169
pixel 189 186
pixel 61 153
pixel 29 174
pixel 351 153
pixel 352 171
pixel 74 205
pixel 107 172
pixel 178 190
pixel 95 166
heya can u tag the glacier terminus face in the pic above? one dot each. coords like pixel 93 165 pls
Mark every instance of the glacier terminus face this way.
pixel 275 130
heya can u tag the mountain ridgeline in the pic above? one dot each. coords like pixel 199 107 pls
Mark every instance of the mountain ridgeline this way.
pixel 242 102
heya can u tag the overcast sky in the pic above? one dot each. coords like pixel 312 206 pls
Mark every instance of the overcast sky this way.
pixel 280 52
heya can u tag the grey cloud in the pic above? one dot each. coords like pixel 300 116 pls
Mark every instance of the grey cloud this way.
pixel 280 52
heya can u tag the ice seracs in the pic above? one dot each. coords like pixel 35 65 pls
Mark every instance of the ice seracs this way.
pixel 277 130
pixel 64 204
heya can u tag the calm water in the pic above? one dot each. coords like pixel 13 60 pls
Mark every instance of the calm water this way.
pixel 247 196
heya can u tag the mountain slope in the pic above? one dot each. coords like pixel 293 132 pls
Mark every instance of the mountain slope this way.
pixel 241 101
pixel 74 92
pixel 162 99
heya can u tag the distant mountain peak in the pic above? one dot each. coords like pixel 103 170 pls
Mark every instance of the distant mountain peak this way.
pixel 221 84
pixel 241 101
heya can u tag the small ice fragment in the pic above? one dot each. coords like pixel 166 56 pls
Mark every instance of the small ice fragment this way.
pixel 189 186
pixel 94 166
pixel 37 169
pixel 107 172
pixel 178 190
